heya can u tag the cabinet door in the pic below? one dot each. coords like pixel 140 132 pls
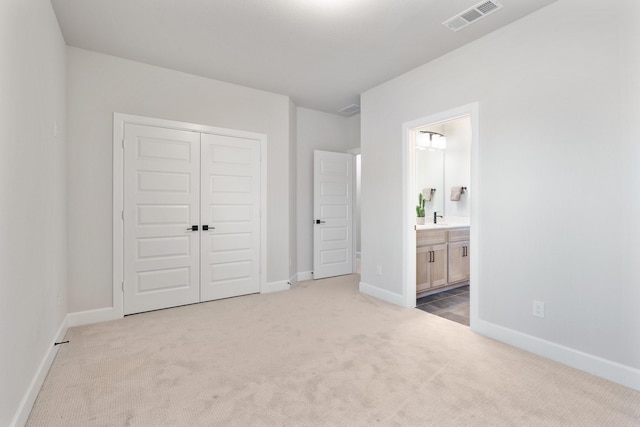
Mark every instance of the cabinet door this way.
pixel 422 268
pixel 438 267
pixel 458 262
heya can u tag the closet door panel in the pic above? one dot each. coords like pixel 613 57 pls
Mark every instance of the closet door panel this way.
pixel 230 249
pixel 162 201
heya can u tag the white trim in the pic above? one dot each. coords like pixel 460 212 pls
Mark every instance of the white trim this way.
pixel 119 121
pixel 612 371
pixel 304 275
pixel 293 280
pixel 382 294
pixel 408 220
pixel 88 317
pixel 281 285
pixel 355 151
pixel 26 404
pixel 354 208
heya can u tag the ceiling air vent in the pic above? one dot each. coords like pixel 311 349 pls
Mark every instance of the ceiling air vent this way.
pixel 350 110
pixel 472 14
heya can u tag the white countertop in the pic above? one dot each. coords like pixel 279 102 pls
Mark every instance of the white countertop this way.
pixel 443 225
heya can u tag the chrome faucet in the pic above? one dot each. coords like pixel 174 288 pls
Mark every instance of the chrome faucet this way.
pixel 436 216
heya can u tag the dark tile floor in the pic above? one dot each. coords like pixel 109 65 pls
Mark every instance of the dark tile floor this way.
pixel 452 305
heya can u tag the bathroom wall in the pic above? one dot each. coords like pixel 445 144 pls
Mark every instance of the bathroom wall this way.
pixel 446 169
pixel 457 166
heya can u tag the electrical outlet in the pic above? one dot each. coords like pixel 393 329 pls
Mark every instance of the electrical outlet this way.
pixel 379 270
pixel 538 309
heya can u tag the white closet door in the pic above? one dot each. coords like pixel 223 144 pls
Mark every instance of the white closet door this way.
pixel 230 249
pixel 162 200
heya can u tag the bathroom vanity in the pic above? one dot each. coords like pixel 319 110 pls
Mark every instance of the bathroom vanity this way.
pixel 442 257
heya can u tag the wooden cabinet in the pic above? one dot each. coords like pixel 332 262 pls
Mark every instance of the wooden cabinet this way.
pixel 458 255
pixel 458 262
pixel 431 259
pixel 442 258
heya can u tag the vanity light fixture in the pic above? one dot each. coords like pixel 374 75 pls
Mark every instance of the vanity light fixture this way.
pixel 427 140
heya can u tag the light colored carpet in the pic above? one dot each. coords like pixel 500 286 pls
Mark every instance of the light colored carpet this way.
pixel 320 354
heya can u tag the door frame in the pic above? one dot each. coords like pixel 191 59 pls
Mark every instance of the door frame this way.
pixel 408 204
pixel 355 152
pixel 119 121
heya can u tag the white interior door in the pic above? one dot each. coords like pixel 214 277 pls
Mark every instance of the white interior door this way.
pixel 333 183
pixel 230 248
pixel 161 200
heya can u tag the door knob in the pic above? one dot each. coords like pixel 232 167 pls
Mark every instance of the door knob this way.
pixel 206 227
pixel 193 228
pixel 320 222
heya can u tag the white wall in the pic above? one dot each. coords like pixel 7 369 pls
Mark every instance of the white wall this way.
pixel 98 86
pixel 559 100
pixel 457 166
pixel 353 131
pixel 316 131
pixel 33 291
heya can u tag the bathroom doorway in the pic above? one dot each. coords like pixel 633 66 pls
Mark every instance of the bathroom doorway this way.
pixel 442 186
pixel 440 262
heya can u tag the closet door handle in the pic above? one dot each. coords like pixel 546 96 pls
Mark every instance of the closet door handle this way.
pixel 193 228
pixel 206 227
pixel 432 256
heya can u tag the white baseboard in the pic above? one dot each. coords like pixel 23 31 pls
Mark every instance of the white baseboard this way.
pixel 612 371
pixel 92 316
pixel 282 285
pixel 382 294
pixel 304 275
pixel 24 409
pixel 293 280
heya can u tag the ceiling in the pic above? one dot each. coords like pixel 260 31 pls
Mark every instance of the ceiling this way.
pixel 321 53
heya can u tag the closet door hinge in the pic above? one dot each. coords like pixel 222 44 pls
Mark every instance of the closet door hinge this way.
pixel 123 215
pixel 123 143
pixel 122 286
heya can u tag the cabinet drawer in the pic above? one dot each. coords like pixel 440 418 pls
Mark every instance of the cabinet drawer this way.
pixel 459 235
pixel 430 237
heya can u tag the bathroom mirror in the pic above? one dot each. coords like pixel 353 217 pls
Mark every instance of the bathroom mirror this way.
pixel 430 174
